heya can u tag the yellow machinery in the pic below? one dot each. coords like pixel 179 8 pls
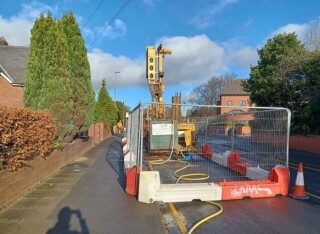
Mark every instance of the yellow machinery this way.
pixel 157 112
pixel 155 75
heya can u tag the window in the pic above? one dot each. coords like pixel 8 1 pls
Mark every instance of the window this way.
pixel 242 103
pixel 229 103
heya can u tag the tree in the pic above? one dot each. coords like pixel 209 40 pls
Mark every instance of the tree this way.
pixel 276 78
pixel 306 119
pixel 3 41
pixel 36 64
pixel 122 109
pixel 287 75
pixel 58 74
pixel 209 93
pixel 312 38
pixel 80 79
pixel 47 81
pixel 106 110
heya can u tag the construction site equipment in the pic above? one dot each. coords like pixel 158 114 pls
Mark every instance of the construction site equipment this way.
pixel 243 154
pixel 155 74
pixel 156 119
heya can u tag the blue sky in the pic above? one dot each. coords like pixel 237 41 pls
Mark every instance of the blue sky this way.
pixel 207 37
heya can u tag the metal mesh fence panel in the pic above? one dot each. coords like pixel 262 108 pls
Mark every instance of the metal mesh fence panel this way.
pixel 134 133
pixel 204 144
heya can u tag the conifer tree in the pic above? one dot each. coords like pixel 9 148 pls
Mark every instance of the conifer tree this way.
pixel 47 81
pixel 36 64
pixel 80 78
pixel 58 74
pixel 106 110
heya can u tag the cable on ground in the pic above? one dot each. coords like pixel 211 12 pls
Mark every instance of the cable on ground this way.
pixel 207 217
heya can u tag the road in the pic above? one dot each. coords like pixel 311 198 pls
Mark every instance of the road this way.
pixel 266 215
pixel 311 172
pixel 87 196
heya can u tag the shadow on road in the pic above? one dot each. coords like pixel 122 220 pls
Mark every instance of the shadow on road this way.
pixel 63 225
pixel 115 161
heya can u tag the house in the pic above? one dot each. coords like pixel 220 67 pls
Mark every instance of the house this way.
pixel 235 96
pixel 235 103
pixel 13 61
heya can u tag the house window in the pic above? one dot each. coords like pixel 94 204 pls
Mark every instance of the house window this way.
pixel 229 103
pixel 242 103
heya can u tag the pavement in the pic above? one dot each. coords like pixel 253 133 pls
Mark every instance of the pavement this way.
pixel 85 196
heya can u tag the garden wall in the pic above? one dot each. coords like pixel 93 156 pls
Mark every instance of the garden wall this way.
pixel 14 184
pixel 309 144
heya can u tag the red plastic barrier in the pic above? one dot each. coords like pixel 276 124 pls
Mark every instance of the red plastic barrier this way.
pixel 281 175
pixel 234 164
pixel 278 184
pixel 206 151
pixel 234 157
pixel 131 181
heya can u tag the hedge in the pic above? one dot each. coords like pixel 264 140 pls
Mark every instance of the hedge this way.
pixel 24 134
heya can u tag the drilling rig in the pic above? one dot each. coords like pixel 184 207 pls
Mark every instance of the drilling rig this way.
pixel 162 131
pixel 155 76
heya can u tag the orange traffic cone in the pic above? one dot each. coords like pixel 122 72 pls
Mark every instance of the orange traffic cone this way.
pixel 298 190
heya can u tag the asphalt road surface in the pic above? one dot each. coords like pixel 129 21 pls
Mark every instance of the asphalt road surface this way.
pixel 265 215
pixel 87 196
pixel 311 172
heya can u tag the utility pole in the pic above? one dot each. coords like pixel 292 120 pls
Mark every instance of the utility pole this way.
pixel 115 89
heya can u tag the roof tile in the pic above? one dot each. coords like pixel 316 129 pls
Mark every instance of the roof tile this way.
pixel 14 59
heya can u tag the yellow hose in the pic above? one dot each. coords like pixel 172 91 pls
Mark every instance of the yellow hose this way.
pixel 200 176
pixel 186 177
pixel 207 217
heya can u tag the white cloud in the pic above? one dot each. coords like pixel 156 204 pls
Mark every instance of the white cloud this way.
pixel 16 32
pixel 299 29
pixel 307 33
pixel 244 56
pixel 104 66
pixel 16 29
pixel 115 30
pixel 205 16
pixel 240 56
pixel 193 59
pixel 112 31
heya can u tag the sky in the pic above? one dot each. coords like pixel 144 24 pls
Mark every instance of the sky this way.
pixel 207 37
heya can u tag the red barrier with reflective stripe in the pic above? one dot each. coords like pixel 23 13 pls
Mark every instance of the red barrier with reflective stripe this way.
pixel 131 181
pixel 206 152
pixel 235 164
pixel 278 184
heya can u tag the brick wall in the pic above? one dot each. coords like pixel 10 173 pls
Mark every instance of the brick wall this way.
pixel 309 144
pixel 14 184
pixel 10 95
pixel 99 131
pixel 305 143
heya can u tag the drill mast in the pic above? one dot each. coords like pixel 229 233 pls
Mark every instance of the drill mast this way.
pixel 154 75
